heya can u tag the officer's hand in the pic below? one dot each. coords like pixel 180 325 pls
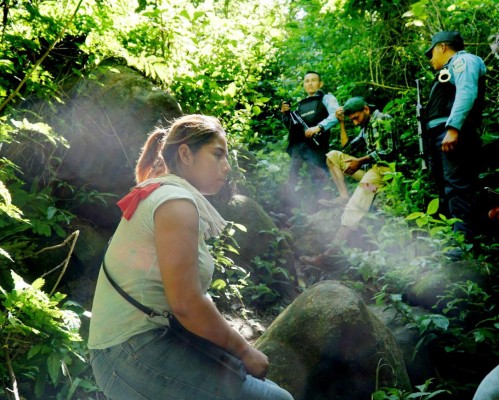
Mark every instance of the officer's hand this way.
pixel 312 131
pixel 450 140
pixel 339 114
pixel 285 107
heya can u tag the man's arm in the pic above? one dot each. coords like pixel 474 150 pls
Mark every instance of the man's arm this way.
pixel 285 114
pixel 331 104
pixel 343 130
pixel 466 71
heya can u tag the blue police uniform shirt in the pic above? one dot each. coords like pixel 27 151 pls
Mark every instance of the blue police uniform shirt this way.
pixel 465 70
pixel 331 104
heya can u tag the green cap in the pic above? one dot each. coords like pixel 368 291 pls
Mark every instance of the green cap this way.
pixel 354 105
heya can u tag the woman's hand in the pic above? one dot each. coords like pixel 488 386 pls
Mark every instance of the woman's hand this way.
pixel 255 362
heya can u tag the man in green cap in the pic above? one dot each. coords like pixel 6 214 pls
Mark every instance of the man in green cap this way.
pixel 453 119
pixel 375 146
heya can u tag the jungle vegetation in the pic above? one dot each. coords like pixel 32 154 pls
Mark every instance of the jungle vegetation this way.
pixel 236 60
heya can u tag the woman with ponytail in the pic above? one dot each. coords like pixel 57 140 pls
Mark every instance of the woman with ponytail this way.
pixel 154 333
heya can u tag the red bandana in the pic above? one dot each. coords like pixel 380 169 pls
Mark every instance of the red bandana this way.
pixel 130 202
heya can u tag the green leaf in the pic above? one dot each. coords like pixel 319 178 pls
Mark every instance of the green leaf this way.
pixel 74 386
pixel 436 230
pixel 34 351
pixel 433 207
pixel 38 284
pixel 13 321
pixel 241 227
pixel 198 14
pixel 414 215
pixel 51 212
pixel 421 222
pixel 379 395
pixel 54 368
pixel 219 284
pixel 440 321
pixel 231 90
pixel 41 379
pixel 184 13
pixel 256 110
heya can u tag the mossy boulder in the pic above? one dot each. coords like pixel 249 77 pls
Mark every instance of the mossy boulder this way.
pixel 431 286
pixel 261 239
pixel 328 345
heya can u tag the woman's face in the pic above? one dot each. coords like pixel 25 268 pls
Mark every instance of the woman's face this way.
pixel 207 169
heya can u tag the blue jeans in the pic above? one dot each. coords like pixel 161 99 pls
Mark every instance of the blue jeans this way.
pixel 157 365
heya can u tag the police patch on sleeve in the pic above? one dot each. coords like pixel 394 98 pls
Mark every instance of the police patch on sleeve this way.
pixel 459 65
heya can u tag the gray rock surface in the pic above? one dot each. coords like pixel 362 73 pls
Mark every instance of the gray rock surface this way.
pixel 328 345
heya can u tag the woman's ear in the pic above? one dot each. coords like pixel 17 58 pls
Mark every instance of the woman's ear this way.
pixel 185 154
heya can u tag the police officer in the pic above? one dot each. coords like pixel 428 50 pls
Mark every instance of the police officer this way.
pixel 453 117
pixel 309 145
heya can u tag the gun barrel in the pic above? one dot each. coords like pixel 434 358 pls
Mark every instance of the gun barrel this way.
pixel 304 124
pixel 419 107
pixel 299 119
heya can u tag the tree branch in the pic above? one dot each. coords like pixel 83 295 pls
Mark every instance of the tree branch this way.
pixel 12 375
pixel 396 88
pixel 74 235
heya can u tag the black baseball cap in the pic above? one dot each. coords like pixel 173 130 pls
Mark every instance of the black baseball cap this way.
pixel 453 37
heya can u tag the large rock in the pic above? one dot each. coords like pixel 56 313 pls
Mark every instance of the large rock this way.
pixel 105 119
pixel 328 345
pixel 260 239
pixel 418 363
pixel 108 120
pixel 315 231
pixel 431 286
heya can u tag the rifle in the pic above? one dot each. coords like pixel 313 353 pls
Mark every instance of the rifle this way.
pixel 354 146
pixel 299 120
pixel 419 116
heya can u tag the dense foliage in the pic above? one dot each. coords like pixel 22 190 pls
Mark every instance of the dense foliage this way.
pixel 236 60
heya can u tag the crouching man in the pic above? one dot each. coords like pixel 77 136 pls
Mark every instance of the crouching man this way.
pixel 374 148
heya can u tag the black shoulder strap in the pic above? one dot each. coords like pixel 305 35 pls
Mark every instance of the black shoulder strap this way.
pixel 146 310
